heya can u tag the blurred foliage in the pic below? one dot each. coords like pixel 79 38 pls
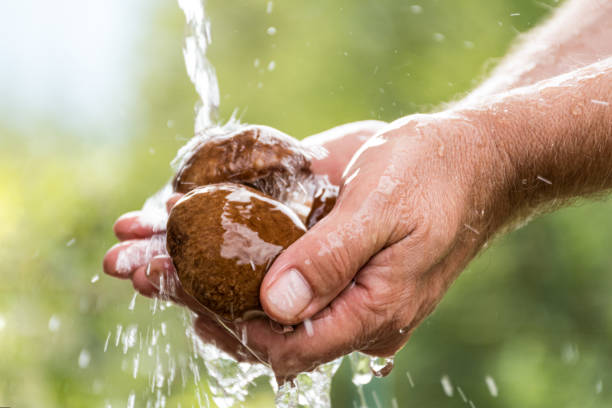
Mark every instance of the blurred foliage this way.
pixel 533 312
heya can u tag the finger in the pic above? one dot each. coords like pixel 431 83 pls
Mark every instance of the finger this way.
pixel 142 285
pixel 309 274
pixel 345 326
pixel 212 332
pixel 124 258
pixel 131 226
pixel 342 141
pixel 172 201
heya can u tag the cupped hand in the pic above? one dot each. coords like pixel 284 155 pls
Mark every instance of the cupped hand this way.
pixel 416 204
pixel 141 256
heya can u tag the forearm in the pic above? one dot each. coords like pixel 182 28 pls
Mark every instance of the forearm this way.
pixel 578 34
pixel 553 141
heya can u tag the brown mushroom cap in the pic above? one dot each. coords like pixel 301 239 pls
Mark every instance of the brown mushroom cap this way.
pixel 222 238
pixel 259 156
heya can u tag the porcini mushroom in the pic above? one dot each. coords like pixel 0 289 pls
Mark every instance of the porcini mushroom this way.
pixel 222 238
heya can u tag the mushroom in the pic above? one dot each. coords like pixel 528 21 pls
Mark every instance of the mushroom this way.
pixel 222 238
pixel 250 194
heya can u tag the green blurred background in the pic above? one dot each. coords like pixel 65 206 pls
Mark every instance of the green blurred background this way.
pixel 95 103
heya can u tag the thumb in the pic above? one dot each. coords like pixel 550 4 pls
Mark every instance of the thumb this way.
pixel 309 274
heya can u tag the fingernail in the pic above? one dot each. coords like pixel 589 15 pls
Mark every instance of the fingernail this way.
pixel 153 275
pixel 289 295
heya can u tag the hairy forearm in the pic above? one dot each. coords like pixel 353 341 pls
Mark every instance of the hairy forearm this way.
pixel 578 34
pixel 553 141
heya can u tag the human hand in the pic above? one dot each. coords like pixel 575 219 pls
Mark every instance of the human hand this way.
pixel 417 203
pixel 141 255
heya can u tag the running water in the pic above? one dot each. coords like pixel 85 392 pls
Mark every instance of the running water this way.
pixel 228 380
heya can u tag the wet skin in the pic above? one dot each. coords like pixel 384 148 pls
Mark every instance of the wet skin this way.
pixel 421 198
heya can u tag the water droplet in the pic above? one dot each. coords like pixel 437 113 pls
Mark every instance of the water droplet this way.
pixel 2 323
pixel 409 379
pixel 133 301
pixel 468 44
pixel 491 386
pixel 570 353
pixel 544 180
pixel 381 366
pixel 439 37
pixel 131 400
pixel 271 31
pixel 461 394
pixel 577 109
pixel 106 342
pixel 84 358
pixel 256 63
pixel 71 242
pixel 54 323
pixel 360 363
pixel 474 230
pixel 95 278
pixel 447 386
pixel 272 66
pixel 416 9
pixel 308 327
pixel 598 387
pixel 515 14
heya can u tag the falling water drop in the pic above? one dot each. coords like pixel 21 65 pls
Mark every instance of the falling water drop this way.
pixel 438 37
pixel 416 9
pixel 133 301
pixel 381 366
pixel 54 323
pixel 84 358
pixel 491 385
pixel 131 400
pixel 271 31
pixel 447 386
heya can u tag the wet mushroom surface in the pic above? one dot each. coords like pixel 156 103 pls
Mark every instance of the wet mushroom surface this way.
pixel 222 238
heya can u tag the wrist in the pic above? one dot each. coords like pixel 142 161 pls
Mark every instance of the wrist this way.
pixel 551 141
